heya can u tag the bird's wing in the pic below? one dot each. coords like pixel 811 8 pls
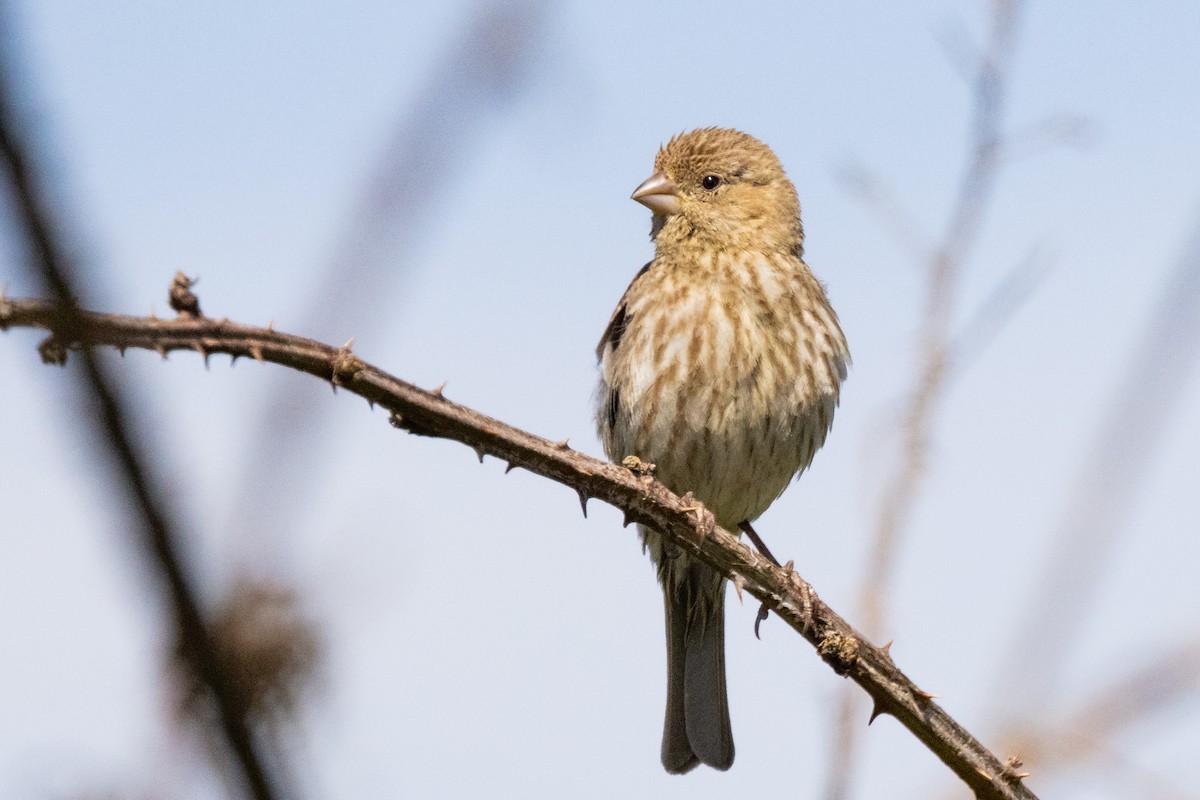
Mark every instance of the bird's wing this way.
pixel 616 323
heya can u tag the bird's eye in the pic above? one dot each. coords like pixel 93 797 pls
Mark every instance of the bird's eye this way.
pixel 710 182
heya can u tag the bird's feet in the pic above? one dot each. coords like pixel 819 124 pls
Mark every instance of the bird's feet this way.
pixel 805 590
pixel 706 523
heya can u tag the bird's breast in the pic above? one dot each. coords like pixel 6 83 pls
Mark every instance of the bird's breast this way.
pixel 725 377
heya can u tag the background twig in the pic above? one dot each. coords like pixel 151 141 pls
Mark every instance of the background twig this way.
pixel 111 424
pixel 899 496
pixel 1113 473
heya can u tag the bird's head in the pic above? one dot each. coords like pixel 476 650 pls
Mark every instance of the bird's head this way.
pixel 720 188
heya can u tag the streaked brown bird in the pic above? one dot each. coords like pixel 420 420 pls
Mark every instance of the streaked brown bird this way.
pixel 722 365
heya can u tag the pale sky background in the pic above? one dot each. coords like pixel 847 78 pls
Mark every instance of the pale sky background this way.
pixel 483 639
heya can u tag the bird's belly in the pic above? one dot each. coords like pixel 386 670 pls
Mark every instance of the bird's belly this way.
pixel 734 439
pixel 736 468
pixel 726 393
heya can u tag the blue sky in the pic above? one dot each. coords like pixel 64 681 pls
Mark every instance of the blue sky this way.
pixel 484 639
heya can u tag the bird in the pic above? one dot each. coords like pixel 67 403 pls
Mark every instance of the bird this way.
pixel 722 366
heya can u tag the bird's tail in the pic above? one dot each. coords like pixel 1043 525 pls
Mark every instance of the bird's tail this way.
pixel 696 730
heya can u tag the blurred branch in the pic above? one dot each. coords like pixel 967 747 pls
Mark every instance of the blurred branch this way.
pixel 891 215
pixel 110 423
pixel 998 308
pixel 989 86
pixel 1113 471
pixel 1156 687
pixel 1052 133
pixel 639 496
pixel 944 273
pixel 1088 734
pixel 272 649
pixel 1129 780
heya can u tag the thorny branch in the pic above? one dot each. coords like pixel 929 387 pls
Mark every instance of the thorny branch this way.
pixel 639 496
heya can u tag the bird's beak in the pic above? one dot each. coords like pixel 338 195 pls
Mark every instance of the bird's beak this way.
pixel 659 194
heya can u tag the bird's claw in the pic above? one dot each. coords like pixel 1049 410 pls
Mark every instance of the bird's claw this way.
pixel 706 523
pixel 805 590
pixel 801 588
pixel 763 612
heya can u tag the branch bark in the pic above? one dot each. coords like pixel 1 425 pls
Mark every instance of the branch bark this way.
pixel 638 495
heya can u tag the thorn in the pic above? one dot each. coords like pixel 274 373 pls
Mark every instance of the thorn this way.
pixel 257 352
pixel 876 709
pixel 1012 768
pixel 478 451
pixel 438 391
pixel 507 469
pixel 233 357
pixel 926 696
pixel 986 776
pixel 162 351
pixel 151 315
pixel 271 326
pixel 739 583
pixel 348 345
pixel 565 444
pixel 121 349
pixel 887 648
pixel 346 365
pixel 628 519
pixel 583 498
pixel 199 348
pixel 370 404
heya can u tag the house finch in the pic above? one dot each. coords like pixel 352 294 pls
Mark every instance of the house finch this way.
pixel 721 365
